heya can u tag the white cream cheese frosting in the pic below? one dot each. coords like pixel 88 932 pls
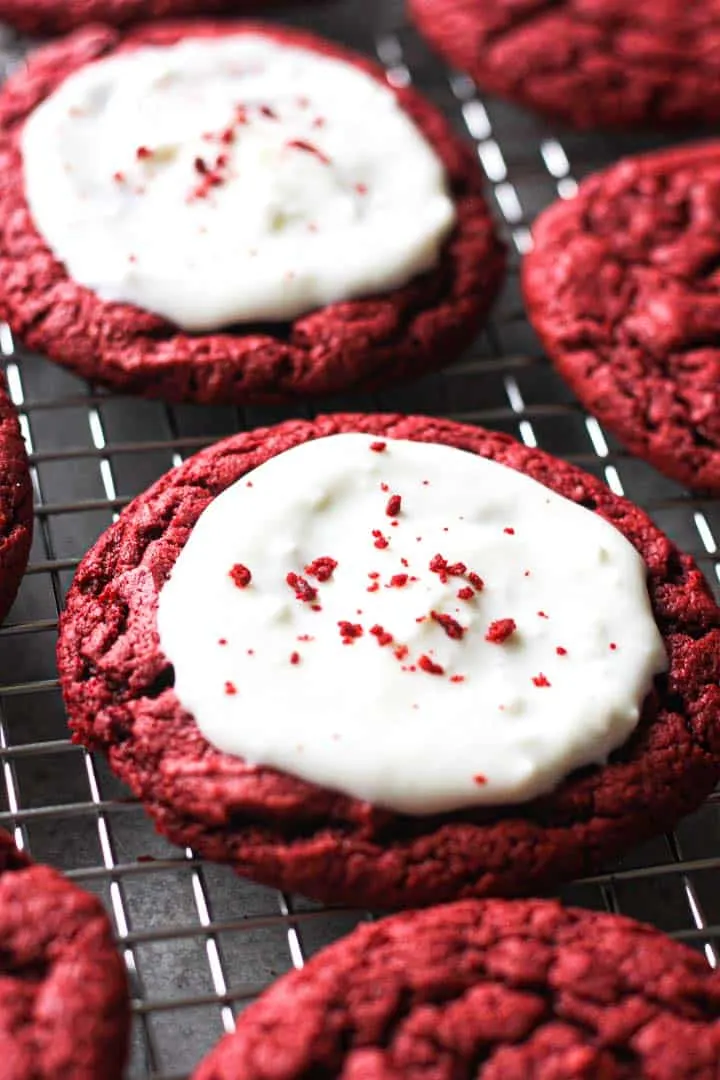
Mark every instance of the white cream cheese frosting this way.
pixel 409 624
pixel 233 179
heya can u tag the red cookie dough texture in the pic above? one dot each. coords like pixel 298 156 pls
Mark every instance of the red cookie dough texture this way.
pixel 60 16
pixel 588 63
pixel 16 509
pixel 283 831
pixel 494 990
pixel 367 342
pixel 623 289
pixel 64 1010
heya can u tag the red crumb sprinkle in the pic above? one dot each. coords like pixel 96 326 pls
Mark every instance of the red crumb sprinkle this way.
pixel 382 635
pixel 560 651
pixel 457 678
pixel 230 688
pixel 397 581
pixel 613 646
pixel 240 575
pixel 294 657
pixel 361 189
pixel 373 588
pixel 349 631
pixel 540 680
pixel 380 540
pixel 500 630
pixel 428 665
pixel 200 166
pixel 384 487
pixel 248 483
pixel 265 110
pixel 318 122
pixel 222 641
pixel 315 607
pixel 526 574
pixel 404 562
pixel 303 589
pixel 308 148
pixel 142 153
pixel 305 637
pixel 378 447
pixel 321 568
pixel 374 574
pixel 476 581
pixel 480 779
pixel 393 506
pixel 510 531
pixel 119 177
pixel 451 626
pixel 543 615
pixel 251 652
pixel 401 651
pixel 228 135
pixel 465 594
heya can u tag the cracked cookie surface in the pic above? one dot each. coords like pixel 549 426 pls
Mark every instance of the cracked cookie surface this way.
pixel 60 16
pixel 589 63
pixel 623 288
pixel 16 506
pixel 64 1010
pixel 494 990
pixel 282 831
pixel 359 343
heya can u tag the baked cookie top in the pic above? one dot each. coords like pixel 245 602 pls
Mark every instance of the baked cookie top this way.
pixel 499 990
pixel 622 286
pixel 588 63
pixel 64 1009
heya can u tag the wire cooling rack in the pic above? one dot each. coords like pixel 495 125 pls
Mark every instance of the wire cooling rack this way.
pixel 200 943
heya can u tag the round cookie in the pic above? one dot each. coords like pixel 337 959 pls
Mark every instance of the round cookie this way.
pixel 280 830
pixel 64 1008
pixel 588 63
pixel 60 16
pixel 364 342
pixel 498 990
pixel 623 289
pixel 16 507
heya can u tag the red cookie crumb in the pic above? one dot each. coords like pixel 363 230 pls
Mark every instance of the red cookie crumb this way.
pixel 240 575
pixel 500 630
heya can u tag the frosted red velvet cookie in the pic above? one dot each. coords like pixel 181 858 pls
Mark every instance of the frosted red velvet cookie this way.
pixel 496 990
pixel 64 1009
pixel 230 212
pixel 394 660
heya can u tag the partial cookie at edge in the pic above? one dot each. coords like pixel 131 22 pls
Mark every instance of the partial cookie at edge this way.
pixel 64 1009
pixel 496 989
pixel 623 290
pixel 16 505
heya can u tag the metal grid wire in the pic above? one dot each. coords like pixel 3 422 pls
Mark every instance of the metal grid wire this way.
pixel 199 943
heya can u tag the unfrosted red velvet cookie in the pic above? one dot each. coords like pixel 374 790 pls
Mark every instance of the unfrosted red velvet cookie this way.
pixel 497 990
pixel 360 342
pixel 64 1010
pixel 60 16
pixel 16 509
pixel 623 288
pixel 589 63
pixel 283 831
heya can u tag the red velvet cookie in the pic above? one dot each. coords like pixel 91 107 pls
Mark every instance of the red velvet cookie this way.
pixel 497 990
pixel 16 507
pixel 283 831
pixel 589 63
pixel 623 288
pixel 64 1009
pixel 60 16
pixel 365 342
